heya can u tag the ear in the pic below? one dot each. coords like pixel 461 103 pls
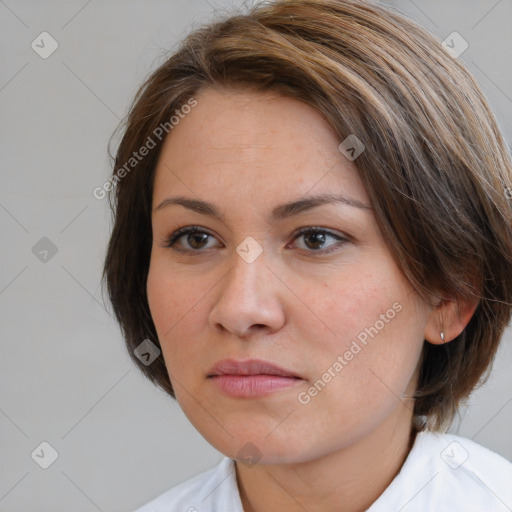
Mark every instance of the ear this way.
pixel 449 317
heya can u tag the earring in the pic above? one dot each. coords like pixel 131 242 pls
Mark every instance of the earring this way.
pixel 442 336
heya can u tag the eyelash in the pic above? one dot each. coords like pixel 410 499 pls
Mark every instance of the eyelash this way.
pixel 169 243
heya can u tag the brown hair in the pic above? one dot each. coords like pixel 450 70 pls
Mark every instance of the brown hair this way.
pixel 435 164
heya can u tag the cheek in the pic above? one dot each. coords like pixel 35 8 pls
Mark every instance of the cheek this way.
pixel 161 302
pixel 375 325
pixel 171 302
pixel 352 300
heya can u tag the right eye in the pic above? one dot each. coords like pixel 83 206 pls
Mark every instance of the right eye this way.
pixel 196 238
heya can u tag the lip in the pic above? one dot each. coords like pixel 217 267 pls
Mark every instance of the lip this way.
pixel 249 367
pixel 251 378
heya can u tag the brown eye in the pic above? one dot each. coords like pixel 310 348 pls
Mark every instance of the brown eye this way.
pixel 197 240
pixel 316 239
pixel 194 239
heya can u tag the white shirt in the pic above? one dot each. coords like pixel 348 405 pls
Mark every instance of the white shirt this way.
pixel 442 473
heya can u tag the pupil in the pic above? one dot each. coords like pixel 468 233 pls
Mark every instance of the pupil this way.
pixel 317 237
pixel 195 236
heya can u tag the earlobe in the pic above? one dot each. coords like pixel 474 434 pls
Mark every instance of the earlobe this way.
pixel 448 319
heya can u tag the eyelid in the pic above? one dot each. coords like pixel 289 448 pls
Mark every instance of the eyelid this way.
pixel 334 233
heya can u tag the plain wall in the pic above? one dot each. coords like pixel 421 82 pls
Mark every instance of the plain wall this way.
pixel 65 376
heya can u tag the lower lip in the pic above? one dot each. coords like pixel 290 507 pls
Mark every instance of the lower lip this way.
pixel 247 386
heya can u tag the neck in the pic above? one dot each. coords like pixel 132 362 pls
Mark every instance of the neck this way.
pixel 350 479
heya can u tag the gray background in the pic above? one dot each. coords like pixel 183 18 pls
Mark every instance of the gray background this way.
pixel 64 375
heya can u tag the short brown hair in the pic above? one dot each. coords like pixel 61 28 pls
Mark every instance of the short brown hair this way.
pixel 435 165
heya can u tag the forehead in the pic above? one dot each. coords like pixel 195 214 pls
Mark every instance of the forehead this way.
pixel 241 143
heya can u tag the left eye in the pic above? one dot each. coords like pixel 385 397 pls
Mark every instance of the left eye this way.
pixel 197 238
pixel 316 237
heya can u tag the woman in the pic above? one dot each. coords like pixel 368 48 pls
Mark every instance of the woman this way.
pixel 312 254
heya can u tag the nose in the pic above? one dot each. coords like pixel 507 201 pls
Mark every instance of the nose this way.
pixel 249 299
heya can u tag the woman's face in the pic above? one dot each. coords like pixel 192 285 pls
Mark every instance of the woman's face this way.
pixel 330 306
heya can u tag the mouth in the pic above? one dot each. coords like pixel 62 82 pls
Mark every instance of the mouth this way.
pixel 252 378
pixel 249 367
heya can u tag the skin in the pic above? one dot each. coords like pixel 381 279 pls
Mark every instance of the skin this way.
pixel 295 305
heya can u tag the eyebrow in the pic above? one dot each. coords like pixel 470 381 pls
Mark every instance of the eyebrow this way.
pixel 279 213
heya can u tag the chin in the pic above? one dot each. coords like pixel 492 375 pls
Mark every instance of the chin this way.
pixel 250 447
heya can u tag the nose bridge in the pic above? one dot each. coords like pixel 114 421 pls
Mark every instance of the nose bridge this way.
pixel 246 274
pixel 247 296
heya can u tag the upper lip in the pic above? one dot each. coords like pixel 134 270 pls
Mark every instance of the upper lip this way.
pixel 249 367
